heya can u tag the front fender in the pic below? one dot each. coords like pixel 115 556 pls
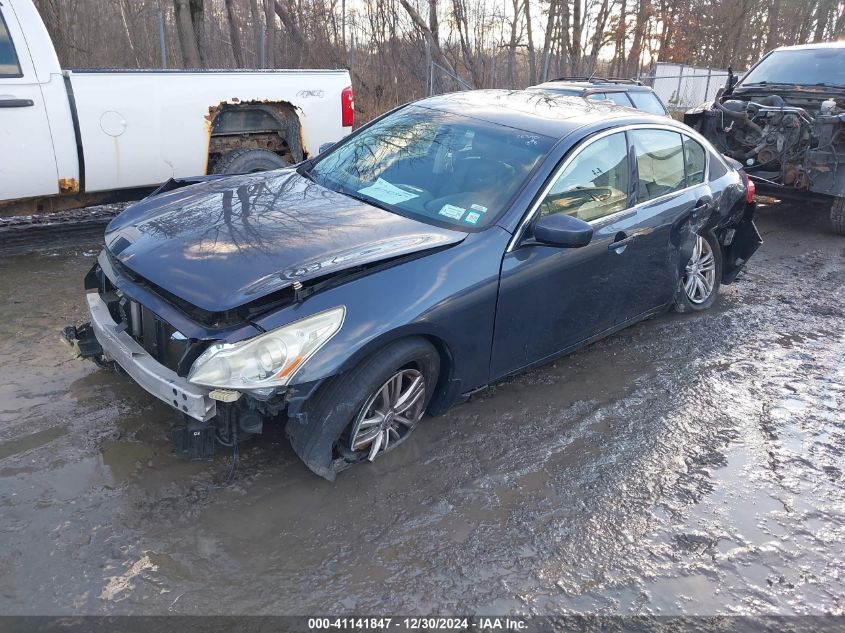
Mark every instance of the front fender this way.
pixel 448 296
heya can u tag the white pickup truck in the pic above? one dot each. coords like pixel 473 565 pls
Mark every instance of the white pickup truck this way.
pixel 68 133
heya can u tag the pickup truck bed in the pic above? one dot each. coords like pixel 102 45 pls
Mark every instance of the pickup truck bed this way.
pixel 69 132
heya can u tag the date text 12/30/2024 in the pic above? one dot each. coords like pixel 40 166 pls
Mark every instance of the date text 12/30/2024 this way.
pixel 417 624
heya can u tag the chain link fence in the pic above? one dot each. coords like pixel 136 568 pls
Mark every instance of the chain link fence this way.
pixel 683 87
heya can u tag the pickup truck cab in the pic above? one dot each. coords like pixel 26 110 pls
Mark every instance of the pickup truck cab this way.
pixel 65 133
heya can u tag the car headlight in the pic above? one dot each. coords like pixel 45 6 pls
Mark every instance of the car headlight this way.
pixel 268 360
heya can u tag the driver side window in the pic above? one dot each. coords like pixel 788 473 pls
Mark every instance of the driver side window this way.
pixel 594 184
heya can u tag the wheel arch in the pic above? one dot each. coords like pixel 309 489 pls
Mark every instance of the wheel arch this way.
pixel 269 125
pixel 445 390
pixel 308 433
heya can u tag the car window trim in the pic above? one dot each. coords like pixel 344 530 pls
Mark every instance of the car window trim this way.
pixel 530 216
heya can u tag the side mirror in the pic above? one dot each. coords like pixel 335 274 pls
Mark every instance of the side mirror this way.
pixel 559 229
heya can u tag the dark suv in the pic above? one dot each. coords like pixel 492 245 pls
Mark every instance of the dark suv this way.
pixel 625 92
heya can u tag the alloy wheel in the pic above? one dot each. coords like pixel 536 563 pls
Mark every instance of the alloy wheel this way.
pixel 389 415
pixel 700 275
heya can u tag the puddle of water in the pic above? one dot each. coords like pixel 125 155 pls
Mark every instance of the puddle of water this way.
pixel 33 440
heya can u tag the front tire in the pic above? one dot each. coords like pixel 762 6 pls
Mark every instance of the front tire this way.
pixel 837 216
pixel 702 276
pixel 372 409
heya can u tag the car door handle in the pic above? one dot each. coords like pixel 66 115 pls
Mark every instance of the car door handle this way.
pixel 620 243
pixel 702 204
pixel 16 103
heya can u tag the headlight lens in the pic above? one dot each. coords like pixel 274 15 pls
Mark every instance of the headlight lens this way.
pixel 268 360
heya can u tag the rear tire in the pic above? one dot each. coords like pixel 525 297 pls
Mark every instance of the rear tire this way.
pixel 325 445
pixel 699 286
pixel 247 161
pixel 837 216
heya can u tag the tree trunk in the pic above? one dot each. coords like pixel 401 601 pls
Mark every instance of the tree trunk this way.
pixel 773 25
pixel 255 16
pixel 547 39
pixel 187 37
pixel 198 22
pixel 425 29
pixel 839 28
pixel 577 27
pixel 598 36
pixel 234 34
pixel 633 65
pixel 565 41
pixel 823 13
pixel 433 22
pixel 464 34
pixel 269 34
pixel 512 47
pixel 621 32
pixel 128 34
pixel 532 59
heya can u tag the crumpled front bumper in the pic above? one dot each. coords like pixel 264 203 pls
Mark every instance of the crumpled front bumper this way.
pixel 160 381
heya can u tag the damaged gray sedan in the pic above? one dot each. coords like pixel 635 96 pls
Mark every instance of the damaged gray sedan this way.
pixel 447 245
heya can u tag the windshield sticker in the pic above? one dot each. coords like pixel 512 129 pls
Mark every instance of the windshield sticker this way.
pixel 450 211
pixel 478 207
pixel 472 217
pixel 383 191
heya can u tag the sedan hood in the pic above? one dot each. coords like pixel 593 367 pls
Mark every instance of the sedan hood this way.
pixel 223 243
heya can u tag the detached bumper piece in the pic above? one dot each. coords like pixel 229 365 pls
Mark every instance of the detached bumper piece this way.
pixel 195 441
pixel 82 341
pixel 116 345
pixel 746 240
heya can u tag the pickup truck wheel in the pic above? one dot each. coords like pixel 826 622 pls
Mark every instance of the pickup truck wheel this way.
pixel 373 408
pixel 247 161
pixel 837 216
pixel 702 276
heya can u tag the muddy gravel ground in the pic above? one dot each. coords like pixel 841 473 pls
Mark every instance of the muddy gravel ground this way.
pixel 690 464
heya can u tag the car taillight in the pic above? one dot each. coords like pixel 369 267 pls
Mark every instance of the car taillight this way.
pixel 347 107
pixel 750 188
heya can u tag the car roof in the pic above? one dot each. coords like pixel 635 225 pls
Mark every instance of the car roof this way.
pixel 801 47
pixel 536 111
pixel 597 85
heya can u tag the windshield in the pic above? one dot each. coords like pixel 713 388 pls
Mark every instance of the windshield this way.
pixel 809 67
pixel 433 165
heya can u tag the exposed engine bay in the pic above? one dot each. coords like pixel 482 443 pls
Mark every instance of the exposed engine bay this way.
pixel 790 137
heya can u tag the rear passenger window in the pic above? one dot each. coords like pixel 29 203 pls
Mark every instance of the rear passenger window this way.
pixel 717 169
pixel 660 162
pixel 647 102
pixel 9 66
pixel 594 184
pixel 694 160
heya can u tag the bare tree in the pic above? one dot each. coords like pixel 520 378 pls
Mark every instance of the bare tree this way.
pixel 187 35
pixel 269 34
pixel 234 34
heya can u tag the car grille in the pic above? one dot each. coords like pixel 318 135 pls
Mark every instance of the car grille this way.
pixel 160 339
